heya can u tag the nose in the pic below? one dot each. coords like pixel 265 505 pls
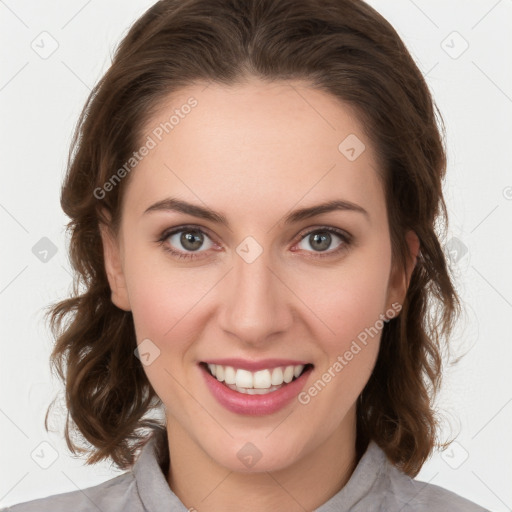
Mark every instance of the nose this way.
pixel 256 305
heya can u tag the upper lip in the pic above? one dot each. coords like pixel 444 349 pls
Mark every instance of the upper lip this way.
pixel 253 366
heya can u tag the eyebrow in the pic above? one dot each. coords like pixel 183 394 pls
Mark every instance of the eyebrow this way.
pixel 177 205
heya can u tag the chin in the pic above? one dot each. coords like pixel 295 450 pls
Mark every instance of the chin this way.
pixel 256 456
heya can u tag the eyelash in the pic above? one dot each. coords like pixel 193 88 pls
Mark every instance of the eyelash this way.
pixel 346 239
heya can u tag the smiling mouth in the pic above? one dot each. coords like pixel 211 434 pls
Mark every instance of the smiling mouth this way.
pixel 256 383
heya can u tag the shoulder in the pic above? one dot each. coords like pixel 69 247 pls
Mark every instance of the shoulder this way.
pixel 417 496
pixel 118 494
pixel 435 498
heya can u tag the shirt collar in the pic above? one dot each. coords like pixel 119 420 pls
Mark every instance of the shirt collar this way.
pixel 152 486
pixel 360 483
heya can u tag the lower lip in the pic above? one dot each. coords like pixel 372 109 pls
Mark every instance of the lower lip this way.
pixel 254 405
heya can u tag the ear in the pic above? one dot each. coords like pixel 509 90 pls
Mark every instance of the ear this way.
pixel 398 280
pixel 114 268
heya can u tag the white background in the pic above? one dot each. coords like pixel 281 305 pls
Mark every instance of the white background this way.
pixel 40 102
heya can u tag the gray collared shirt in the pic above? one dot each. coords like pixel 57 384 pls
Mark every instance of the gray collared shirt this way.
pixel 376 485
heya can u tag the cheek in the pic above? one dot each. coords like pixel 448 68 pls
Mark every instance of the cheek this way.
pixel 157 294
pixel 350 298
pixel 152 302
pixel 350 306
pixel 163 312
pixel 360 300
pixel 166 301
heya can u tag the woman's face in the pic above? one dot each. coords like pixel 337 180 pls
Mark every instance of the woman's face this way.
pixel 270 285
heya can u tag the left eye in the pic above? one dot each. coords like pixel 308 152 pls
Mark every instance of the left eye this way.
pixel 321 239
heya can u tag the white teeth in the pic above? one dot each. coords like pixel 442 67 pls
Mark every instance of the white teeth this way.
pixel 219 373
pixel 297 370
pixel 261 379
pixel 253 391
pixel 277 376
pixel 288 374
pixel 243 379
pixel 229 375
pixel 255 382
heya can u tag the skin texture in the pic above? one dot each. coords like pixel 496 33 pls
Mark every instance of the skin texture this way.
pixel 254 152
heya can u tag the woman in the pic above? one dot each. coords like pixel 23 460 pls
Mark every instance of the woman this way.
pixel 253 192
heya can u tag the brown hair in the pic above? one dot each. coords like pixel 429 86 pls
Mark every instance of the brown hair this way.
pixel 342 47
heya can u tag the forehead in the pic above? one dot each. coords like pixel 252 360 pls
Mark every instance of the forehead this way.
pixel 266 146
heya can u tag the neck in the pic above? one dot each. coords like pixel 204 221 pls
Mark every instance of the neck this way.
pixel 205 486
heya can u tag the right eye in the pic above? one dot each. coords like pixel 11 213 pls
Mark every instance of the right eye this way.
pixel 185 238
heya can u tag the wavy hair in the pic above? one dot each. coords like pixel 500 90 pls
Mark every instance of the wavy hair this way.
pixel 342 47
